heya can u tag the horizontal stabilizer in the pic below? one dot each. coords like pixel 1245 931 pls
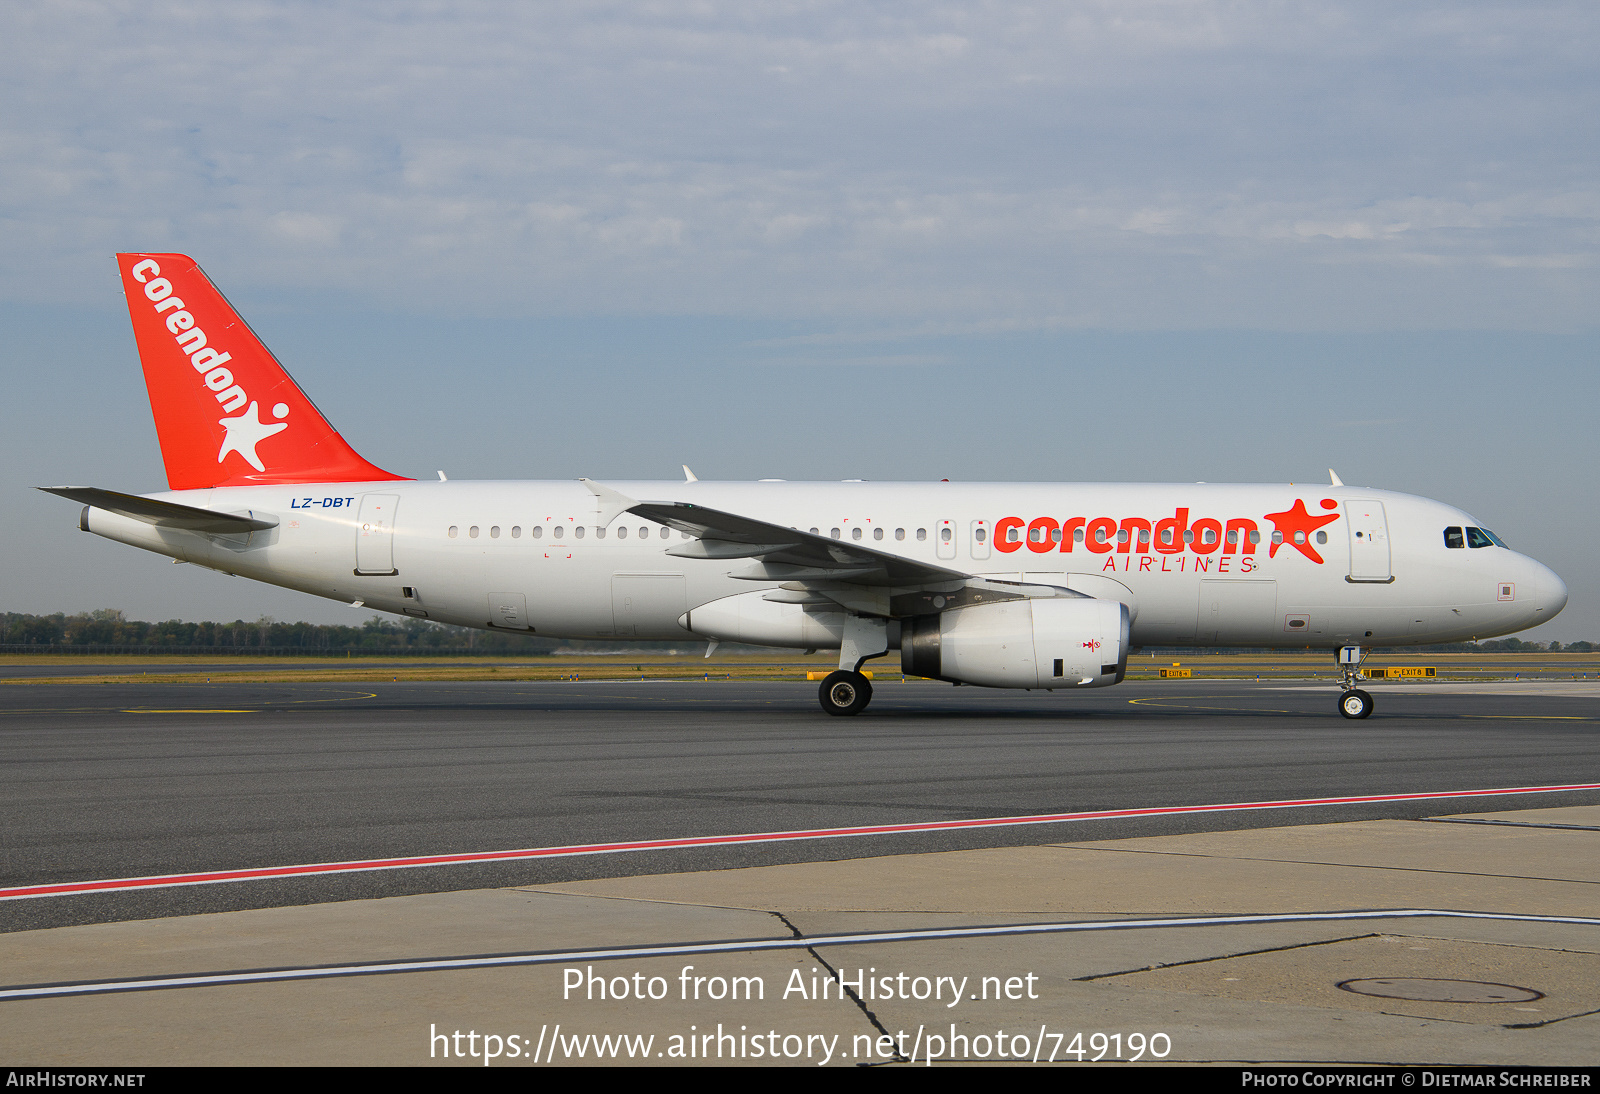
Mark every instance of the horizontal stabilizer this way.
pixel 163 514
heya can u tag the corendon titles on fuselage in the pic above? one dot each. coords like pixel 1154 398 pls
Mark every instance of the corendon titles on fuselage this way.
pixel 1169 540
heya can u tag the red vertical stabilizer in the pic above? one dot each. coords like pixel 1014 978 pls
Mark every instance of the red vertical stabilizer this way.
pixel 227 414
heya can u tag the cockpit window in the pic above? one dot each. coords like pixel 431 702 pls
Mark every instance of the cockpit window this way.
pixel 1452 538
pixel 1477 537
pixel 1498 542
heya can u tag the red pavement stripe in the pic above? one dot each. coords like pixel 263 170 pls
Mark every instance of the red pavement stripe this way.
pixel 215 877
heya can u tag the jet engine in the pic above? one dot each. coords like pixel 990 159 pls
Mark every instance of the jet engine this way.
pixel 1047 643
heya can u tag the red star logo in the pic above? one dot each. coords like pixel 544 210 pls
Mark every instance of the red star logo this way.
pixel 1297 519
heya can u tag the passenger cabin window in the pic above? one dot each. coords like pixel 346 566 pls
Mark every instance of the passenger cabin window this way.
pixel 578 531
pixel 877 533
pixel 899 533
pixel 622 533
pixel 537 531
pixel 453 531
pixel 556 531
pixel 855 533
pixel 1477 538
pixel 1453 538
pixel 516 531
pixel 922 534
pixel 494 532
pixel 473 531
pixel 945 534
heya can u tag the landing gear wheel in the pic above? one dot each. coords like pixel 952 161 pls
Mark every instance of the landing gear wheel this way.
pixel 1355 704
pixel 844 693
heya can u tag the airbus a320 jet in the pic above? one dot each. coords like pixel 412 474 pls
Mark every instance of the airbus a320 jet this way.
pixel 1007 585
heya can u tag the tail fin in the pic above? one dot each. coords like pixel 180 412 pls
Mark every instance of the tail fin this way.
pixel 227 414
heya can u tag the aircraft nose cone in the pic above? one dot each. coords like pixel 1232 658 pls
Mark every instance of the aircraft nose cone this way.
pixel 1552 593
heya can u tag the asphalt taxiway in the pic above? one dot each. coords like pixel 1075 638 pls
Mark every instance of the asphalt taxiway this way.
pixel 115 781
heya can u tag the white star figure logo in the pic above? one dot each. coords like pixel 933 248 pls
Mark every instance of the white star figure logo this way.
pixel 244 433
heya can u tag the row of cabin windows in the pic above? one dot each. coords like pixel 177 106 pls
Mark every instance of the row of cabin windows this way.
pixel 1013 535
pixel 644 532
pixel 558 530
pixel 878 533
pixel 1475 537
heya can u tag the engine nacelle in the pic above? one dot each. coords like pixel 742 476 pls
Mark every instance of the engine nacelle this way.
pixel 1048 643
pixel 747 617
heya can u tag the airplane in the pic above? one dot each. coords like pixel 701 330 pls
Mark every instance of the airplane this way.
pixel 1004 585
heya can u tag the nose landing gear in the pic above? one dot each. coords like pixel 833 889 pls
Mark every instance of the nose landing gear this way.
pixel 1353 702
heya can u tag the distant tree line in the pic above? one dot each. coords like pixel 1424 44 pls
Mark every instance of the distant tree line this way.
pixel 1513 645
pixel 107 629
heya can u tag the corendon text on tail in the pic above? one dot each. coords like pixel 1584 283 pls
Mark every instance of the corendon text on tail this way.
pixel 1020 585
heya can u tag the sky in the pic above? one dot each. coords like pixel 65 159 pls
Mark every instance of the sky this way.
pixel 1123 241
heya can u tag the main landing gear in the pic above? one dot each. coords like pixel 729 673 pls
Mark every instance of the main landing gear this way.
pixel 1353 702
pixel 844 693
pixel 847 691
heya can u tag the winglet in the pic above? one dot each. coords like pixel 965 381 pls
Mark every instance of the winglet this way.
pixel 1333 478
pixel 689 476
pixel 608 503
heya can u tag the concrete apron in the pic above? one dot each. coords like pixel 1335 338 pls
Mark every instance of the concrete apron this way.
pixel 1427 989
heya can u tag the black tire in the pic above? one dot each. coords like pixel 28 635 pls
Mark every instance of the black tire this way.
pixel 1355 704
pixel 844 693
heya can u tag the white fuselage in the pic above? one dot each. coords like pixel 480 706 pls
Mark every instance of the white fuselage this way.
pixel 531 556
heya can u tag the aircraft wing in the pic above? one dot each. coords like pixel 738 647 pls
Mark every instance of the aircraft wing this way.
pixel 818 570
pixel 163 514
pixel 787 554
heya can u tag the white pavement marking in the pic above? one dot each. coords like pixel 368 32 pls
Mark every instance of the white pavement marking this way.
pixel 42 991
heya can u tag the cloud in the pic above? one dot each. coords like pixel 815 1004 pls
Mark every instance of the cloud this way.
pixel 1132 164
pixel 884 360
